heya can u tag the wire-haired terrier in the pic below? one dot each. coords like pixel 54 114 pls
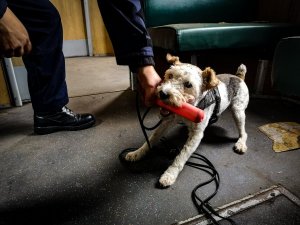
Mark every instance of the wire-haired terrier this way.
pixel 213 93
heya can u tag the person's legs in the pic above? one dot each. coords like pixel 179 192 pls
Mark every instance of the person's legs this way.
pixel 46 67
pixel 45 64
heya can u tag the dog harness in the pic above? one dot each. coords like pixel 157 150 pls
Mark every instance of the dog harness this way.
pixel 211 97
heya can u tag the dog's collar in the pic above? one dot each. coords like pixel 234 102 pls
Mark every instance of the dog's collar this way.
pixel 211 97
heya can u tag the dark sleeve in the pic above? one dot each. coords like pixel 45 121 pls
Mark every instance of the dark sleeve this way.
pixel 124 21
pixel 3 6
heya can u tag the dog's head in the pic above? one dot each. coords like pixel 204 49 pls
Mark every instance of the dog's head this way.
pixel 184 82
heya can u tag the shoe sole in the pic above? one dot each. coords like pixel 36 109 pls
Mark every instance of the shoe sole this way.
pixel 52 129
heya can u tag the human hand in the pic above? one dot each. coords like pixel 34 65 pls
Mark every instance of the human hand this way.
pixel 14 38
pixel 148 81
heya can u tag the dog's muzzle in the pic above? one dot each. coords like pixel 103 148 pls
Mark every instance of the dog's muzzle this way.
pixel 163 95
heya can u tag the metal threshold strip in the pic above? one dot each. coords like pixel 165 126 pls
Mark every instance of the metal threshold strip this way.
pixel 243 204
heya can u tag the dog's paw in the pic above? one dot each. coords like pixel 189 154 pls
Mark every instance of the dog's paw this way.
pixel 167 180
pixel 240 147
pixel 133 156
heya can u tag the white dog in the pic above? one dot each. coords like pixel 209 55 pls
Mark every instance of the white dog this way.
pixel 184 82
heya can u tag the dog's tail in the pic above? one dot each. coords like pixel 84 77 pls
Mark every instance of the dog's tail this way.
pixel 241 71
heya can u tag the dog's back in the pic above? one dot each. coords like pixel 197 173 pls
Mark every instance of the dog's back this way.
pixel 235 85
pixel 237 78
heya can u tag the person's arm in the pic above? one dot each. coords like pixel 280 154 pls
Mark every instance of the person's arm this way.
pixel 132 44
pixel 14 38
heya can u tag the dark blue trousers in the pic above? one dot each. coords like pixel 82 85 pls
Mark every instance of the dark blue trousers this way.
pixel 46 64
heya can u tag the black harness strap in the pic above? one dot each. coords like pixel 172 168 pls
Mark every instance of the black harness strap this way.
pixel 212 97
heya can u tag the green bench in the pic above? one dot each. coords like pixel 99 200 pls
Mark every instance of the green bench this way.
pixel 202 36
pixel 195 25
pixel 190 27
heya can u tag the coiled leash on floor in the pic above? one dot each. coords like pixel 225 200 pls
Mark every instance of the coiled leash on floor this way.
pixel 203 206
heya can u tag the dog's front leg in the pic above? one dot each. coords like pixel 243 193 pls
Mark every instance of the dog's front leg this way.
pixel 142 151
pixel 170 175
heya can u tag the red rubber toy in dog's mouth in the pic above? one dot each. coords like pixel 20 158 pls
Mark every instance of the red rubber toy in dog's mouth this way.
pixel 187 111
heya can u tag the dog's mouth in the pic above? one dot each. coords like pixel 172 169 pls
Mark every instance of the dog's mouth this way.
pixel 164 112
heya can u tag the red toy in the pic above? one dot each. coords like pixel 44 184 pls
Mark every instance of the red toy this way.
pixel 187 111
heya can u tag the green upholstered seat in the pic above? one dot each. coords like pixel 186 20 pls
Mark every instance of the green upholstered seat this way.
pixel 192 25
pixel 200 36
pixel 162 12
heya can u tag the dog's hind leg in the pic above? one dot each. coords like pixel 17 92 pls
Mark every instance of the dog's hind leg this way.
pixel 156 135
pixel 195 136
pixel 240 120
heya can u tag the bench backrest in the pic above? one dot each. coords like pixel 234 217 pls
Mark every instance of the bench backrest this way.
pixel 162 12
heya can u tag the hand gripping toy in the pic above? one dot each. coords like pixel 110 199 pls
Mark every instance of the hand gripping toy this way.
pixel 187 111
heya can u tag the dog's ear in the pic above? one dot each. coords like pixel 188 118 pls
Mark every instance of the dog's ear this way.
pixel 172 59
pixel 210 79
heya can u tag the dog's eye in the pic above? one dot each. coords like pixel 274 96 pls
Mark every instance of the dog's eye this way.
pixel 188 84
pixel 170 76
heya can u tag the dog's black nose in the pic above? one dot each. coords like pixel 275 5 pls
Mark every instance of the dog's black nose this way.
pixel 163 95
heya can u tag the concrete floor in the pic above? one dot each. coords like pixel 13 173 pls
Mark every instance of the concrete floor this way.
pixel 77 178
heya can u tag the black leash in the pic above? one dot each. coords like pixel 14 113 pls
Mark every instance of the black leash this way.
pixel 203 206
pixel 142 118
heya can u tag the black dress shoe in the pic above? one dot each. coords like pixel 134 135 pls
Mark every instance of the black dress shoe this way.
pixel 64 120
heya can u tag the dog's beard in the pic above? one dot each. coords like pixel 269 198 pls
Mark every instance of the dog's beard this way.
pixel 176 99
pixel 189 98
